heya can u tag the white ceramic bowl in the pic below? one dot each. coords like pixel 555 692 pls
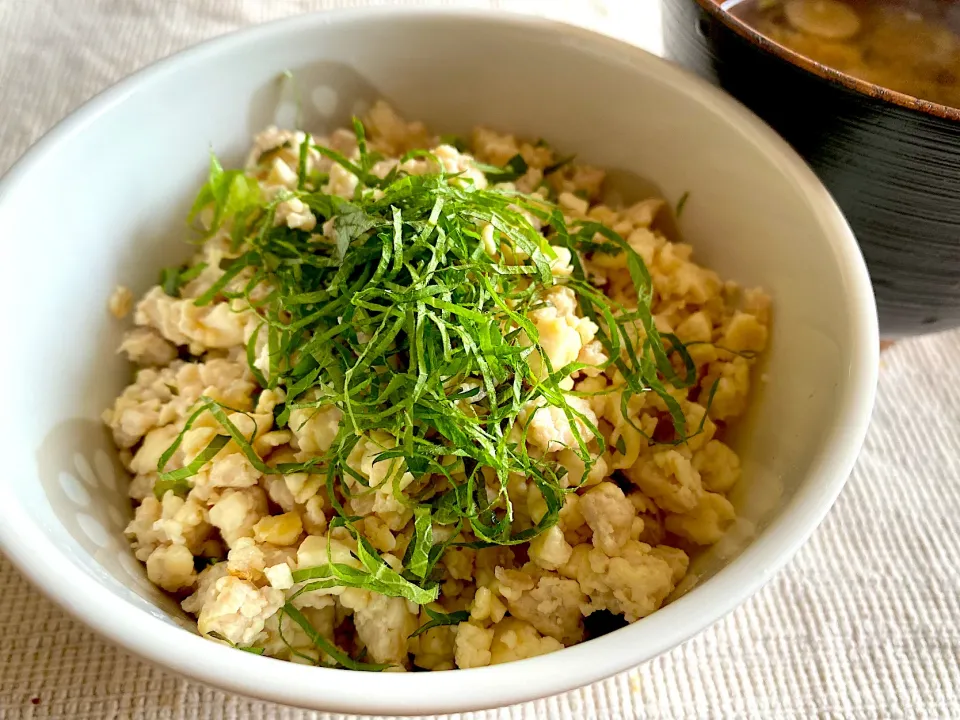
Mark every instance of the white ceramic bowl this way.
pixel 101 201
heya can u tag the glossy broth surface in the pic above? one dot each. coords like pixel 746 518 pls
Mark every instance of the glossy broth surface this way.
pixel 911 46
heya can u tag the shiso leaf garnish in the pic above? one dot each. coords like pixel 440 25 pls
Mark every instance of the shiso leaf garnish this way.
pixel 407 324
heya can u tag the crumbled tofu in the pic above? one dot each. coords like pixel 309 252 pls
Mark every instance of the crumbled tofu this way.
pixel 279 576
pixel 121 302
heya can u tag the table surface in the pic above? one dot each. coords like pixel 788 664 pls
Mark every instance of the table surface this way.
pixel 864 623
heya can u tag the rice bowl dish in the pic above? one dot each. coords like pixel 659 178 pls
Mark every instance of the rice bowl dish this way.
pixel 126 168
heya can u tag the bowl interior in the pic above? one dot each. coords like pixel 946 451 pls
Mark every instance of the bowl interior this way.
pixel 102 202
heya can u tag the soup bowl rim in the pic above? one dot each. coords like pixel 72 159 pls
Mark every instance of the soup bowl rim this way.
pixel 718 10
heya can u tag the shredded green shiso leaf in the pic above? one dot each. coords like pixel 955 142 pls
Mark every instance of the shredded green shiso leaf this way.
pixel 404 322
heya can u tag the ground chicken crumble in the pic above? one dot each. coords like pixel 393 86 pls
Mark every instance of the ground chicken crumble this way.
pixel 623 539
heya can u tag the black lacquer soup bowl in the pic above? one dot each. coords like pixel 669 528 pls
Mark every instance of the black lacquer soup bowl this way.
pixel 892 161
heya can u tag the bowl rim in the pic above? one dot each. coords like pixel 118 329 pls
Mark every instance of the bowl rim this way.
pixel 718 10
pixel 335 690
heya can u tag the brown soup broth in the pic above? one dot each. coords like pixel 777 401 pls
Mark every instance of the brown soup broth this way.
pixel 911 46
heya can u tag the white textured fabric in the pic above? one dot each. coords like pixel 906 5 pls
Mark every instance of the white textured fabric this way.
pixel 864 623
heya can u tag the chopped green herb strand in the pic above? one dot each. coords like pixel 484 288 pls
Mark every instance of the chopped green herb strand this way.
pixel 253 650
pixel 172 279
pixel 176 480
pixel 380 579
pixel 438 619
pixel 398 317
pixel 557 164
pixel 200 562
pixel 289 80
pixel 621 446
pixel 419 550
pixel 302 163
pixel 326 646
pixel 515 168
pixel 680 204
pixel 229 191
